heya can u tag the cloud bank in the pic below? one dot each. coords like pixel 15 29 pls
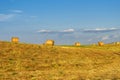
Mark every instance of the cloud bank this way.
pixel 52 31
pixel 9 15
pixel 96 30
pixel 16 11
pixel 4 17
pixel 92 35
pixel 100 30
pixel 106 37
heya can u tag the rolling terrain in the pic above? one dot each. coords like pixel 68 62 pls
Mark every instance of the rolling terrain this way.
pixel 20 61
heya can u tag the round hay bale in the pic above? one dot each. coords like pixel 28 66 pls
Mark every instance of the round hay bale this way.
pixel 77 43
pixel 100 43
pixel 117 43
pixel 49 42
pixel 15 39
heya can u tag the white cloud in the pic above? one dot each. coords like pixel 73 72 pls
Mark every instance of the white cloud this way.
pixel 52 31
pixel 106 37
pixel 33 16
pixel 68 30
pixel 116 36
pixel 16 11
pixel 4 17
pixel 44 31
pixel 101 30
pixel 90 40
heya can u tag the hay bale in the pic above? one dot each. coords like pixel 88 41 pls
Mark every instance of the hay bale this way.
pixel 77 43
pixel 15 39
pixel 49 42
pixel 117 43
pixel 100 43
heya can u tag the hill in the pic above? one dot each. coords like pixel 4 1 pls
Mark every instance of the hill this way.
pixel 37 62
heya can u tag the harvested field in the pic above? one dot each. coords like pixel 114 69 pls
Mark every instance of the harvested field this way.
pixel 37 62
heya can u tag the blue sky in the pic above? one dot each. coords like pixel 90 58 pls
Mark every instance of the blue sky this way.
pixel 65 21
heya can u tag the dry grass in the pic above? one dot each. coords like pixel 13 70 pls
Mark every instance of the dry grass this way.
pixel 37 62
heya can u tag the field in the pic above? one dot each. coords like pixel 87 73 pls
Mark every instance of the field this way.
pixel 20 61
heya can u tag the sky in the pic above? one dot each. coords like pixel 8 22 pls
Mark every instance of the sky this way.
pixel 64 21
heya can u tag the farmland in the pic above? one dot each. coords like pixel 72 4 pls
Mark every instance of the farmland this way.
pixel 20 61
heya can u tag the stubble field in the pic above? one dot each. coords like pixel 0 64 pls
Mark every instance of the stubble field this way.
pixel 38 62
